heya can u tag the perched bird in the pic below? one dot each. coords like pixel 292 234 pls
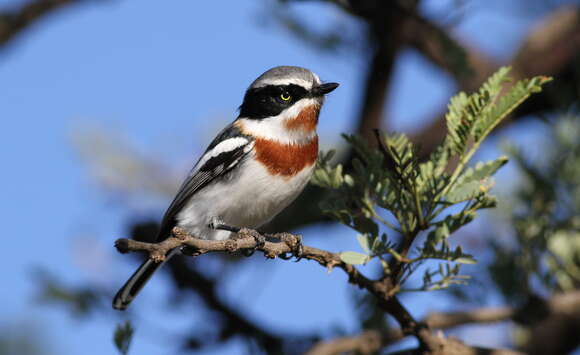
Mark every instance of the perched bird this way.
pixel 252 170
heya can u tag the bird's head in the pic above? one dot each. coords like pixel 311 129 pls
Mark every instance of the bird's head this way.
pixel 283 104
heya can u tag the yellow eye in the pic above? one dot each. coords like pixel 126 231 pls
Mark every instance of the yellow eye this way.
pixel 285 96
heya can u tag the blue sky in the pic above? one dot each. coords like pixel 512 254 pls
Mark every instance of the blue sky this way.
pixel 166 77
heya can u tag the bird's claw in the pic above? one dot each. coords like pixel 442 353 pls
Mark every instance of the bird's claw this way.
pixel 260 240
pixel 294 242
pixel 258 237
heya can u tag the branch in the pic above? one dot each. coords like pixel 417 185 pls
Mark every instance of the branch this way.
pixel 247 240
pixel 452 346
pixel 14 22
pixel 466 65
pixel 557 34
pixel 377 78
pixel 371 341
pixel 366 342
pixel 560 311
pixel 557 332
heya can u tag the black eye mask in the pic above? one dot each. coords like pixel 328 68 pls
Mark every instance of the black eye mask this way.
pixel 267 101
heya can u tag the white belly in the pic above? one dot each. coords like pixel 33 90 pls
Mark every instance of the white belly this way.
pixel 248 198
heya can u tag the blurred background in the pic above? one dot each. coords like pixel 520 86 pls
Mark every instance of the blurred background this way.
pixel 105 106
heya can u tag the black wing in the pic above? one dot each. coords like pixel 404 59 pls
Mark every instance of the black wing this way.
pixel 220 162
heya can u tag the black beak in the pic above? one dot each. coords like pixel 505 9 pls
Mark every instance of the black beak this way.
pixel 324 89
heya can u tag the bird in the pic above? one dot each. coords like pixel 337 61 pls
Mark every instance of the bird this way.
pixel 253 169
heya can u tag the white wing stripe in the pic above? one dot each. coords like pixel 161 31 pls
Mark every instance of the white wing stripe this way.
pixel 222 147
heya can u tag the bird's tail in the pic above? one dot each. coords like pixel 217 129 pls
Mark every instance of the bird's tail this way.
pixel 136 282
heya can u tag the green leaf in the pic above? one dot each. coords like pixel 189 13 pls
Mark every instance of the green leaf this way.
pixel 363 241
pixel 436 236
pixel 320 177
pixel 337 179
pixel 400 143
pixel 466 259
pixel 472 181
pixel 474 116
pixel 354 258
pixel 487 201
pixel 465 110
pixel 464 192
pixel 482 170
pixel 460 119
pixel 456 221
pixel 123 336
pixel 517 94
pixel 325 158
pixel 378 246
pixel 442 232
pixel 349 180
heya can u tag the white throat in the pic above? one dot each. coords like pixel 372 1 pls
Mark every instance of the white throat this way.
pixel 274 128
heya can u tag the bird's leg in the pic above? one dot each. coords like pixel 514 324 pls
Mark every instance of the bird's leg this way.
pixel 294 242
pixel 217 224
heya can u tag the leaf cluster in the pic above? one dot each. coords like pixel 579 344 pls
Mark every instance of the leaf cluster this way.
pixel 390 197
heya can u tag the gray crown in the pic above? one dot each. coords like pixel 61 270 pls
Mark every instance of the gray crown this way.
pixel 288 75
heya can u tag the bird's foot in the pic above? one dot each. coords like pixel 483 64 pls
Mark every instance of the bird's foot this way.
pixel 258 237
pixel 294 242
